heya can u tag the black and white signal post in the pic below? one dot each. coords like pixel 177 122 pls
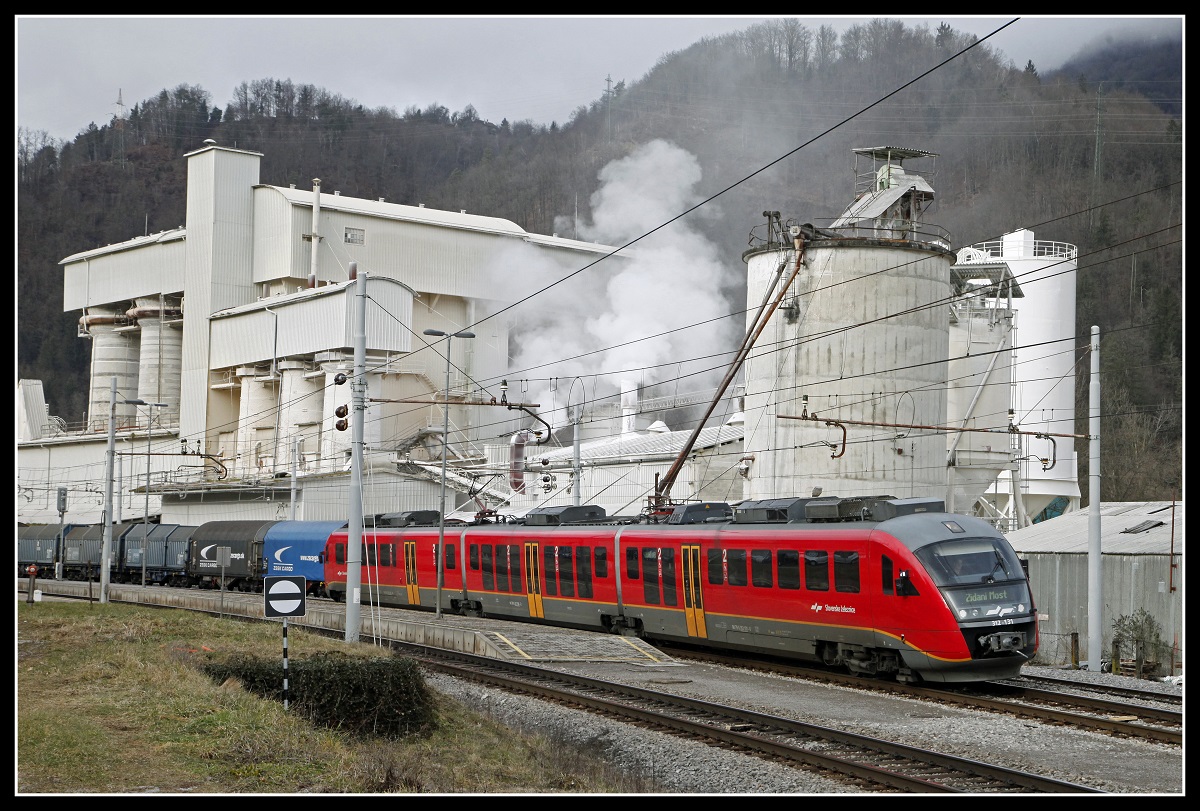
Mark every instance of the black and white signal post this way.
pixel 284 598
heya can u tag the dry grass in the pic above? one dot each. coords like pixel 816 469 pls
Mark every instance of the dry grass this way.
pixel 110 701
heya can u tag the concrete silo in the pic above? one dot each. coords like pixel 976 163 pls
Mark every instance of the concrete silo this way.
pixel 859 335
pixel 979 385
pixel 1043 358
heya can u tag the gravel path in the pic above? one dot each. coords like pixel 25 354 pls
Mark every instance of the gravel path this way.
pixel 1085 758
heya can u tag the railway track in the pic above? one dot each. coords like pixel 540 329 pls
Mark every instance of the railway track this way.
pixel 1075 709
pixel 862 762
pixel 867 763
pixel 1141 696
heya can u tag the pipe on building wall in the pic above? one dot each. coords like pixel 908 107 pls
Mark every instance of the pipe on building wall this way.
pixel 316 237
pixel 88 321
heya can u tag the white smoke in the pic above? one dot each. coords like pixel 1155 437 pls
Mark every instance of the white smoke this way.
pixel 589 325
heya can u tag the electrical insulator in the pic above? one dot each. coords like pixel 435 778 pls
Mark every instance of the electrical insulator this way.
pixel 342 424
pixel 339 378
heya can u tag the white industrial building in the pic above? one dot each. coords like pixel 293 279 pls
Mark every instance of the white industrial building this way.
pixel 234 330
pixel 889 364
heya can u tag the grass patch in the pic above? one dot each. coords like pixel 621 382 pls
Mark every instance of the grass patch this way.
pixel 113 699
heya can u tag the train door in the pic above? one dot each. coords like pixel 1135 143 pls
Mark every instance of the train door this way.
pixel 410 573
pixel 533 581
pixel 693 596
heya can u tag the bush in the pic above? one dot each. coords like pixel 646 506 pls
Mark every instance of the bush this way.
pixel 1140 630
pixel 379 696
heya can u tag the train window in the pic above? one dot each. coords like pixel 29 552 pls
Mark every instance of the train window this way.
pixel 451 556
pixel 760 568
pixel 631 562
pixel 583 571
pixel 514 566
pixel 788 561
pixel 736 570
pixel 601 558
pixel 816 570
pixel 566 577
pixel 565 571
pixel 650 581
pixel 548 570
pixel 339 553
pixel 473 556
pixel 368 555
pixel 501 567
pixel 886 569
pixel 845 572
pixel 667 559
pixel 716 567
pixel 489 581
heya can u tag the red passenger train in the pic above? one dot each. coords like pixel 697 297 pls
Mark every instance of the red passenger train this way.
pixel 878 585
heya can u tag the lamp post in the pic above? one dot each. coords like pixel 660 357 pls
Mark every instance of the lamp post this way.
pixel 441 547
pixel 146 513
pixel 576 418
pixel 109 456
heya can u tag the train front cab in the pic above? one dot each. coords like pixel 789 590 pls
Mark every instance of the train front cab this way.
pixel 956 603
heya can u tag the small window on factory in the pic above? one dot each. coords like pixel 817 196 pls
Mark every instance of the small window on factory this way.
pixel 356 236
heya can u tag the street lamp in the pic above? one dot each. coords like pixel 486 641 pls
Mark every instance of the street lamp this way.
pixel 146 514
pixel 441 547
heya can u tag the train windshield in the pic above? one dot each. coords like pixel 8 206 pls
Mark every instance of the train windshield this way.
pixel 980 578
pixel 971 561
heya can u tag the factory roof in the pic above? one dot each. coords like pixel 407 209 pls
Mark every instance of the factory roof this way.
pixel 1126 528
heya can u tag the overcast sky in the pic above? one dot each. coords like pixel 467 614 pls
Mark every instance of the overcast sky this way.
pixel 72 70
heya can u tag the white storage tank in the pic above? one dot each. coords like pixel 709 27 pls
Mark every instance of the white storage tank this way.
pixel 859 340
pixel 160 355
pixel 114 354
pixel 858 337
pixel 1044 370
pixel 979 387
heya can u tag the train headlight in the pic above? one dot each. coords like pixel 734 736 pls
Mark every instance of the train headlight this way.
pixel 1021 607
pixel 962 613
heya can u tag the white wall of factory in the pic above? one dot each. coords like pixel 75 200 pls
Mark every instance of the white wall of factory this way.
pixel 238 304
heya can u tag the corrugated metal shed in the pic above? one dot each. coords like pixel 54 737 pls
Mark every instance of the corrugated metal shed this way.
pixel 1126 528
